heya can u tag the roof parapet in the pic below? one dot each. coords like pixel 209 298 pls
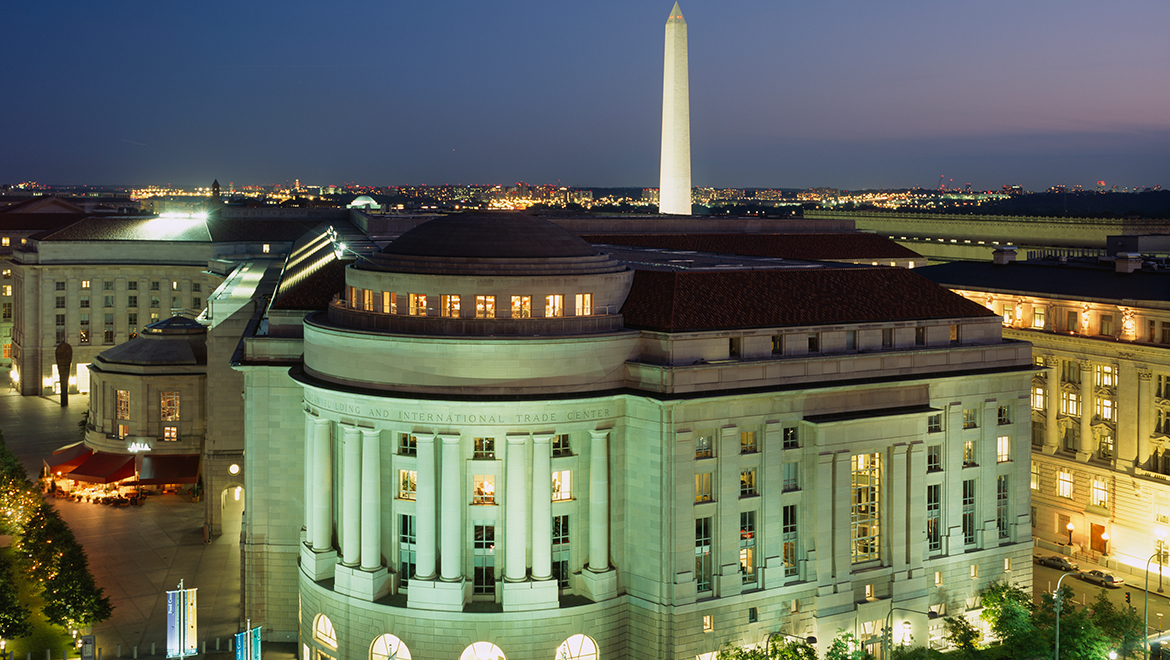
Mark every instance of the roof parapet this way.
pixel 1004 255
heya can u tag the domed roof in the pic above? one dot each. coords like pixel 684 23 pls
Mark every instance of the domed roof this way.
pixel 490 236
pixel 363 201
pixel 170 342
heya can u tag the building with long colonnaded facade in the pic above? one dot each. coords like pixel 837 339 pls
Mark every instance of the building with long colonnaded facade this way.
pixel 491 439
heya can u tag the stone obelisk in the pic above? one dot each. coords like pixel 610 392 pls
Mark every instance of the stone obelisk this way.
pixel 674 188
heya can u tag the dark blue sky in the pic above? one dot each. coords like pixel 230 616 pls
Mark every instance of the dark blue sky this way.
pixel 783 94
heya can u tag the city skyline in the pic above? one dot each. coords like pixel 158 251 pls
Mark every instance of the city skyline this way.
pixel 851 97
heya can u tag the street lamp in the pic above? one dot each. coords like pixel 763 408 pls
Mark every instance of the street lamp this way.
pixel 1146 624
pixel 905 633
pixel 1058 599
pixel 1105 538
pixel 889 642
pixel 1070 529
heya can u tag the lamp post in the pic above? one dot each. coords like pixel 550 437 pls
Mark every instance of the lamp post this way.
pixel 1146 624
pixel 1105 538
pixel 1057 600
pixel 889 642
pixel 1070 529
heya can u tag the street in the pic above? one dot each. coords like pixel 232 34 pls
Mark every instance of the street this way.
pixel 1044 580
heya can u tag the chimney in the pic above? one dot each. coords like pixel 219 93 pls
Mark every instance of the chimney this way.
pixel 1004 255
pixel 1128 262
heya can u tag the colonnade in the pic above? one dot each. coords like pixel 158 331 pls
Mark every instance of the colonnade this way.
pixel 439 498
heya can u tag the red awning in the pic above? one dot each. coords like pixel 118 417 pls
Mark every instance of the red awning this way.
pixel 172 469
pixel 67 458
pixel 104 468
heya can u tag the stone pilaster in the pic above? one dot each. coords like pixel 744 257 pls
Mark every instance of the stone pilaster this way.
pixel 426 513
pixel 1085 446
pixel 516 510
pixel 451 546
pixel 351 498
pixel 541 507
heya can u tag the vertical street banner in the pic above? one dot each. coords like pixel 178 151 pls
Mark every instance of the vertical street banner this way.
pixel 248 644
pixel 182 622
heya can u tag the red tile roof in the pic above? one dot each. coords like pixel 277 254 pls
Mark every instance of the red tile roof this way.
pixel 716 300
pixel 787 246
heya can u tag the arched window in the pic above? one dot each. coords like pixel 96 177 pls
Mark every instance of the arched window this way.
pixel 323 631
pixel 387 647
pixel 482 651
pixel 577 647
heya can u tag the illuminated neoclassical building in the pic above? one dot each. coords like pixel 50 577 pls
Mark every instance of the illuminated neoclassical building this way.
pixel 498 440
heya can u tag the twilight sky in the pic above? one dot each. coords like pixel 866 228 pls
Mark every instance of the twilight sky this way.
pixel 843 93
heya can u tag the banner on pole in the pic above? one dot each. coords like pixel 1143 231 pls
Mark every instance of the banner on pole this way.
pixel 248 644
pixel 182 623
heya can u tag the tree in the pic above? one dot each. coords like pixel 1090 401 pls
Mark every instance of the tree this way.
pixel 1009 611
pixel 775 649
pixel 72 598
pixel 962 635
pixel 1123 627
pixel 14 616
pixel 846 646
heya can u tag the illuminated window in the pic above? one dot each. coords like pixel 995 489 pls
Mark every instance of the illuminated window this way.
pixel 6 242
pixel 482 651
pixel 703 447
pixel 955 334
pixel 554 305
pixel 747 546
pixel 1009 314
pixel 174 286
pixel 1038 318
pixel 6 273
pixel 386 647
pixel 1035 476
pixel 703 492
pixel 970 418
pixel 418 304
pixel 584 306
pixel 122 399
pixel 747 483
pixel 123 431
pixel 521 307
pixel 485 489
pixel 747 442
pixel 561 446
pixel 865 510
pixel 407 444
pixel 85 284
pixel 389 302
pixel 367 300
pixel 170 434
pixel 1003 449
pixel 485 307
pixel 969 454
pixel 562 485
pixel 1038 398
pixel 1064 484
pixel 708 623
pixel 485 449
pixel 933 517
pixel 6 315
pixel 1070 404
pixel 7 350
pixel 1099 496
pixel 169 406
pixel 323 631
pixel 266 248
pixel 1106 375
pixel 703 542
pixel 1105 446
pixel 1105 408
pixel 449 306
pixel 7 290
pixel 788 540
pixel 577 647
pixel 407 484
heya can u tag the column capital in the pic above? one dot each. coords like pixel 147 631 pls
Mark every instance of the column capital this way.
pixel 516 439
pixel 1144 373
pixel 367 432
pixel 449 439
pixel 599 434
pixel 542 438
pixel 424 437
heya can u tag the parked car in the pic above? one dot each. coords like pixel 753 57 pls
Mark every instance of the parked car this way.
pixel 1056 561
pixel 1102 578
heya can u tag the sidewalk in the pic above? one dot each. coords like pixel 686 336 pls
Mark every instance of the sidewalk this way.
pixel 1135 580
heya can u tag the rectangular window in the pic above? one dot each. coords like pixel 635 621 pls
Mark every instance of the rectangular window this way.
pixel 485 489
pixel 1105 409
pixel 7 289
pixel 407 484
pixel 791 439
pixel 122 406
pixel 934 423
pixel 1100 494
pixel 708 623
pixel 1003 449
pixel 407 445
pixel 123 431
pixel 851 340
pixel 418 304
pixel 703 448
pixel 389 302
pixel 747 442
pixel 132 320
pixel 969 511
pixel 554 305
pixel 1105 446
pixel 367 300
pixel 955 334
pixel 196 287
pixel 561 446
pixel 174 286
pixel 865 510
pixel 970 418
pixel 154 300
pixel 521 307
pixel 6 273
pixel 1071 441
pixel 584 304
pixel 197 302
pixel 1001 505
pixel 485 449
pixel 485 307
pixel 747 546
pixel 777 344
pixel 887 337
pixel 176 302
pixel 703 542
pixel 132 286
pixel 934 458
pixel 1038 318
pixel 562 485
pixel 132 301
pixel 107 301
pixel 59 285
pixel 83 302
pixel 734 347
pixel 1165 332
pixel 407 558
pixel 1035 476
pixel 154 286
pixel 747 483
pixel 1107 325
pixel 1009 314
pixel 483 552
pixel 1070 404
pixel 703 492
pixel 7 315
pixel 1005 415
pixel 60 304
pixel 933 517
pixel 814 343
pixel 969 459
pixel 85 284
pixel 170 434
pixel 449 306
pixel 1070 322
pixel 788 540
pixel 560 550
pixel 1106 375
pixel 790 476
pixel 7 351
pixel 169 406
pixel 1064 484
pixel 1038 398
pixel 1070 371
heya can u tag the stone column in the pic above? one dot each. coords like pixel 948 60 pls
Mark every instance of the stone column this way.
pixel 1085 447
pixel 516 510
pixel 351 499
pixel 1145 417
pixel 322 491
pixel 451 549
pixel 599 501
pixel 1051 426
pixel 426 515
pixel 371 500
pixel 541 507
pixel 314 426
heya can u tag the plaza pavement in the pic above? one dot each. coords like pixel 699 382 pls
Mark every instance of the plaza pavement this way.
pixel 137 553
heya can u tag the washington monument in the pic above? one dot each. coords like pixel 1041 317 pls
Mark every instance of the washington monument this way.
pixel 674 188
